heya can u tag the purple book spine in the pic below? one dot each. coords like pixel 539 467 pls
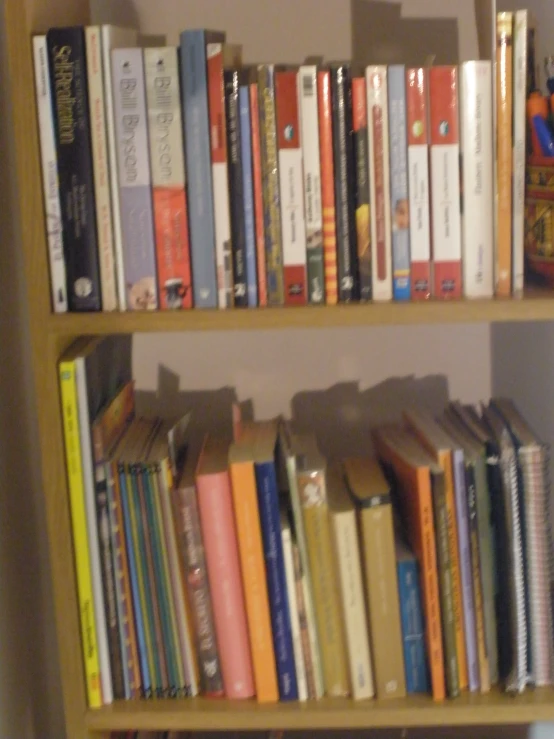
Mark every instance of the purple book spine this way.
pixel 135 193
pixel 460 494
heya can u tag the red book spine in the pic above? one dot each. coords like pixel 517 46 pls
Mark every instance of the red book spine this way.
pixel 172 247
pixel 258 194
pixel 328 186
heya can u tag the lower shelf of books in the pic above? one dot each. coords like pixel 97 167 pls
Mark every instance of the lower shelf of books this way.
pixel 330 713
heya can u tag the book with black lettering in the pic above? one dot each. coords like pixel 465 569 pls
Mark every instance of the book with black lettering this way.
pixel 68 73
pixel 232 79
pixel 345 181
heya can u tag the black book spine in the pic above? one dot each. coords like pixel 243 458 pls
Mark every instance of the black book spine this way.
pixel 361 146
pixel 67 59
pixel 236 185
pixel 345 183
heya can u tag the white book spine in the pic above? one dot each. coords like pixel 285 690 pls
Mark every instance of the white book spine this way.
pixel 49 160
pixel 300 666
pixel 292 210
pixel 445 202
pixel 521 30
pixel 92 530
pixel 420 222
pixel 100 164
pixel 379 174
pixel 353 604
pixel 112 38
pixel 477 178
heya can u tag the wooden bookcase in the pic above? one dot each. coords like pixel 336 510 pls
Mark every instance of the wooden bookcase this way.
pixel 50 335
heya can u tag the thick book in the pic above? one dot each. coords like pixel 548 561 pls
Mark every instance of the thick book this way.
pixel 102 192
pixel 271 187
pixel 293 224
pixel 309 137
pixel 504 154
pixel 248 193
pixel 419 183
pixel 328 207
pixel 215 502
pixel 196 127
pixel 135 196
pixel 50 183
pixel 258 194
pixel 251 552
pixel 411 615
pixel 114 37
pixel 477 179
pixel 68 79
pixel 379 182
pixel 363 221
pixel 344 528
pixel 165 132
pixel 400 204
pixel 445 182
pixel 522 23
pixel 345 182
pixel 372 495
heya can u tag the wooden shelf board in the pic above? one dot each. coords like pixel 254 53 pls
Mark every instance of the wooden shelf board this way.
pixel 200 714
pixel 537 305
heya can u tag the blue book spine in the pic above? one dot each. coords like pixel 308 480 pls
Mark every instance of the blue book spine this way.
pixel 413 633
pixel 268 502
pixel 248 193
pixel 400 204
pixel 199 167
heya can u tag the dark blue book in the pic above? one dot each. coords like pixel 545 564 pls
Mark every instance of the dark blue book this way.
pixel 265 443
pixel 411 615
pixel 248 193
pixel 198 163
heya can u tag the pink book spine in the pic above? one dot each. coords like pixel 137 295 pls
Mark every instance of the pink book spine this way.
pixel 220 544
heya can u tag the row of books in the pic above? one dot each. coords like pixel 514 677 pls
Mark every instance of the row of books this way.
pixel 254 567
pixel 311 184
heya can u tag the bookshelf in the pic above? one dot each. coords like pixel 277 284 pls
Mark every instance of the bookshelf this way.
pixel 50 335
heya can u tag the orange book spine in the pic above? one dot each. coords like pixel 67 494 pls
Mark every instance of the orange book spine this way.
pixel 446 464
pixel 258 194
pixel 247 520
pixel 327 186
pixel 504 156
pixel 172 247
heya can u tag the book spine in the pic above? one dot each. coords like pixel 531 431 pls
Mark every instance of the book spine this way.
pixel 345 183
pixel 68 79
pixel 135 197
pixel 50 184
pixel 218 530
pixel 440 513
pixel 315 511
pixel 247 178
pixel 309 135
pixel 492 551
pixel 258 194
pixel 270 179
pixel 329 212
pixel 419 185
pixel 293 226
pixel 353 605
pixel 363 225
pixel 521 35
pixel 301 598
pixel 400 205
pixel 477 179
pixel 168 177
pixel 220 176
pixel 379 183
pixel 197 155
pixel 445 182
pixel 412 627
pixel 198 591
pixel 70 414
pixel 268 503
pixel 102 193
pixel 484 672
pixel 504 154
pixel 236 186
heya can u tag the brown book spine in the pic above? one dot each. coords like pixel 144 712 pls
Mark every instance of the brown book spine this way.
pixel 328 186
pixel 504 157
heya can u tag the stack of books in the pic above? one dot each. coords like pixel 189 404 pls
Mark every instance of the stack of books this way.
pixel 178 176
pixel 253 567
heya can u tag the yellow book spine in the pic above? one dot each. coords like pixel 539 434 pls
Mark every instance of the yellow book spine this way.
pixel 68 389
